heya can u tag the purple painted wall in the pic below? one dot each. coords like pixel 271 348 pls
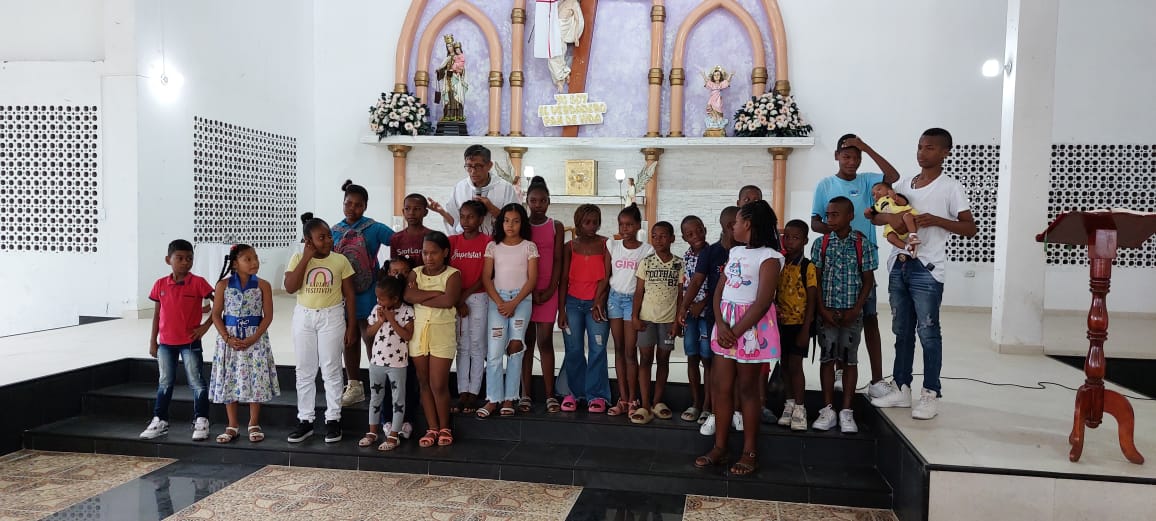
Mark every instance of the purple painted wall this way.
pixel 620 56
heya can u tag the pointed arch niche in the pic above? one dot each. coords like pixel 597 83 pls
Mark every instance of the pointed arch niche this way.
pixel 429 37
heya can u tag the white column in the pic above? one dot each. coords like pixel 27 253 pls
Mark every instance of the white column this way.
pixel 1025 160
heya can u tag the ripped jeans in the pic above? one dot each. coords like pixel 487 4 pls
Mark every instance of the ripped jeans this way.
pixel 915 299
pixel 504 383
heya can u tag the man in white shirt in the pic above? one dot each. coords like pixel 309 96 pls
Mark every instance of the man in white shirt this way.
pixel 479 185
pixel 915 283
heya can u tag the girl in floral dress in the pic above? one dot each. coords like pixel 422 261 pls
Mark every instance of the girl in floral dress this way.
pixel 243 367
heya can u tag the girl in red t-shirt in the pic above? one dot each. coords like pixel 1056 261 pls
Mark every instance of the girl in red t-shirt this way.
pixel 467 255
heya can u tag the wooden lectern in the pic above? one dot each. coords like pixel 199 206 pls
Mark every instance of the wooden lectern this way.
pixel 1102 232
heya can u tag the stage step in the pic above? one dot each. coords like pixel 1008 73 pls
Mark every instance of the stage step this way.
pixel 794 474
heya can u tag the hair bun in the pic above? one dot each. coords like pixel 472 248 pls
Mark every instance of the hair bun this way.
pixel 537 180
pixel 306 217
pixel 345 185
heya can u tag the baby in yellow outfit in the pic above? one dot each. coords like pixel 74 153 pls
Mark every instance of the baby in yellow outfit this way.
pixel 887 201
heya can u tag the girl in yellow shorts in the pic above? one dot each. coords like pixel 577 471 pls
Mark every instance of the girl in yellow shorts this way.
pixel 433 290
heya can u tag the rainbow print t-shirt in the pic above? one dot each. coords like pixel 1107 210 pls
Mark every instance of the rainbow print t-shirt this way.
pixel 322 285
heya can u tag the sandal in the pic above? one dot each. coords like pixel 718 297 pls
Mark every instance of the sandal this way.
pixel 633 407
pixel 429 439
pixel 690 414
pixel 716 456
pixel 445 438
pixel 661 411
pixel 468 406
pixel 742 467
pixel 641 416
pixel 619 408
pixel 486 410
pixel 229 435
pixel 552 405
pixel 369 439
pixel 702 416
pixel 255 434
pixel 391 442
pixel 525 404
pixel 569 404
pixel 597 406
pixel 507 410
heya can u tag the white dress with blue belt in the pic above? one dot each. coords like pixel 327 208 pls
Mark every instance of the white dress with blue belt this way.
pixel 248 376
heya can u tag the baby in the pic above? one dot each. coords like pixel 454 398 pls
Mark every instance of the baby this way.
pixel 887 201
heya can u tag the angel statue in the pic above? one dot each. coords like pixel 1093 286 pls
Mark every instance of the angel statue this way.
pixel 511 176
pixel 558 25
pixel 644 176
pixel 452 81
pixel 717 81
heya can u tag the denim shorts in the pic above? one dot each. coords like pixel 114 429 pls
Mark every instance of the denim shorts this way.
pixel 620 306
pixel 696 337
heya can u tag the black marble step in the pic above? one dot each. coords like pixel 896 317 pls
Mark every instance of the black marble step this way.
pixel 134 402
pixel 643 468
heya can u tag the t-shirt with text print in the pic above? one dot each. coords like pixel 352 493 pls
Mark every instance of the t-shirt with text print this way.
pixel 662 282
pixel 321 287
pixel 388 347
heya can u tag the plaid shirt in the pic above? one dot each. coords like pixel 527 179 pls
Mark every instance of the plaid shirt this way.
pixel 840 279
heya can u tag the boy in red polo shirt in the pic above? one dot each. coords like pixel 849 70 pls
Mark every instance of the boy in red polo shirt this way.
pixel 177 331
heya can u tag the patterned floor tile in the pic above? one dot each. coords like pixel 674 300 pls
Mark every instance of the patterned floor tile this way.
pixel 226 505
pixel 117 469
pixel 800 512
pixel 41 464
pixel 553 501
pixel 423 513
pixel 21 515
pixel 341 484
pixel 50 494
pixel 447 491
pixel 707 508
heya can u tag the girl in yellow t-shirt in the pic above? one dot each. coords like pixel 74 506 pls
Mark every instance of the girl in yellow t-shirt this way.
pixel 325 298
pixel 433 290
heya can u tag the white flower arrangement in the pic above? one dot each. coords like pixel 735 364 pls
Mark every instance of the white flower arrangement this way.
pixel 770 115
pixel 397 113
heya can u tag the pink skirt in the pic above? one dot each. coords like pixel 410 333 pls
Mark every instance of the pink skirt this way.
pixel 546 311
pixel 760 344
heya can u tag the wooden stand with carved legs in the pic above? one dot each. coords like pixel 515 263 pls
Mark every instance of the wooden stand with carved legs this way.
pixel 1092 400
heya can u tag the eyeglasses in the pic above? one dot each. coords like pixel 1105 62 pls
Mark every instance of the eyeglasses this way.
pixel 475 167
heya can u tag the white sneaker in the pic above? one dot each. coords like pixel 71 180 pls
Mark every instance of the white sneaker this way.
pixel 896 397
pixel 799 418
pixel 826 419
pixel 847 422
pixel 927 407
pixel 707 428
pixel 201 429
pixel 788 410
pixel 838 380
pixel 878 389
pixel 353 393
pixel 157 427
pixel 737 421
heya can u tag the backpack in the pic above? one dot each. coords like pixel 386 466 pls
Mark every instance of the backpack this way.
pixel 353 246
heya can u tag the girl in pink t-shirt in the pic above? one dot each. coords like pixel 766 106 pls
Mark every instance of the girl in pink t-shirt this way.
pixel 509 275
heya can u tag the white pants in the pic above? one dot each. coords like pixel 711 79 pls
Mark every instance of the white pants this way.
pixel 318 341
pixel 472 344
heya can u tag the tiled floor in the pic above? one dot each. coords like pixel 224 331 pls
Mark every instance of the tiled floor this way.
pixel 34 485
pixel 116 488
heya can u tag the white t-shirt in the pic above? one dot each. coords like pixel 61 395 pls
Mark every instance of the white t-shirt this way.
pixel 945 197
pixel 499 192
pixel 742 273
pixel 624 263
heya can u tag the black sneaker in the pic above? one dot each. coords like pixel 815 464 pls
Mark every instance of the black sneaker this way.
pixel 332 431
pixel 303 431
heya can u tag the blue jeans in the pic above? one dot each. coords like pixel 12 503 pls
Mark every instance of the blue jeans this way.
pixel 915 300
pixel 167 366
pixel 588 379
pixel 696 337
pixel 503 383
